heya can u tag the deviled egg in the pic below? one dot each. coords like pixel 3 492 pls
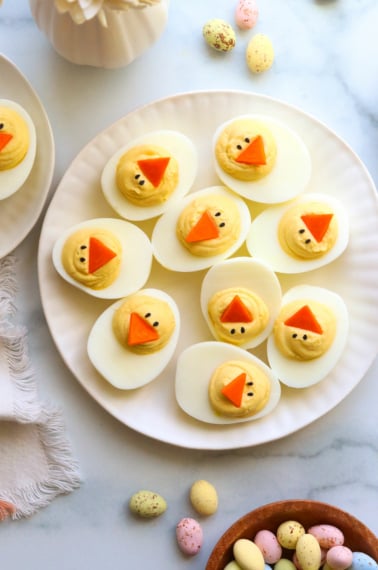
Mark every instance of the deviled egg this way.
pixel 18 146
pixel 261 159
pixel 240 300
pixel 206 227
pixel 219 383
pixel 104 257
pixel 309 335
pixel 304 234
pixel 148 174
pixel 133 340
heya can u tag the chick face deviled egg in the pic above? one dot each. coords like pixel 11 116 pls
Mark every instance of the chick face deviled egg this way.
pixel 133 340
pixel 302 235
pixel 147 175
pixel 223 384
pixel 206 227
pixel 240 299
pixel 18 144
pixel 261 159
pixel 104 257
pixel 309 335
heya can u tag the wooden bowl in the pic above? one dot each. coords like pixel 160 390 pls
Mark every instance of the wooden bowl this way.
pixel 357 536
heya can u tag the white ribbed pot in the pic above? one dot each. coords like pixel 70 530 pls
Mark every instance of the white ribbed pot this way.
pixel 127 35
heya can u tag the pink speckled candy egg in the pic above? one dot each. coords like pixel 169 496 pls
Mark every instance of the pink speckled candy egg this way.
pixel 327 535
pixel 246 14
pixel 339 557
pixel 189 536
pixel 270 548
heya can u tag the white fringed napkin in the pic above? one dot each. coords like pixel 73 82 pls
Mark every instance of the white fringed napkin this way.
pixel 36 462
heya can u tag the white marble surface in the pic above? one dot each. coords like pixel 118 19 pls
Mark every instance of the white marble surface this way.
pixel 327 64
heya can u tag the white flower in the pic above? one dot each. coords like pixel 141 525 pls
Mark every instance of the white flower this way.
pixel 84 10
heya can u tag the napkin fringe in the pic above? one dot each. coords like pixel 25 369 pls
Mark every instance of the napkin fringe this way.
pixel 26 407
pixel 63 472
pixel 8 286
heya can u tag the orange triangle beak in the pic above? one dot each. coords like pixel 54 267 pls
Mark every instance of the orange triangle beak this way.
pixel 154 169
pixel 4 140
pixel 140 331
pixel 236 312
pixel 233 391
pixel 317 224
pixel 254 153
pixel 204 229
pixel 304 319
pixel 99 254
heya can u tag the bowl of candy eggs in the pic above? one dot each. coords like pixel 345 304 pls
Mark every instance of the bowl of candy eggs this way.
pixel 296 535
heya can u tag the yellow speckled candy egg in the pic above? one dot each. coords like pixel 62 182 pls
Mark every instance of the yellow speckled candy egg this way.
pixel 147 504
pixel 248 555
pixel 204 497
pixel 288 534
pixel 260 53
pixel 219 35
pixel 308 552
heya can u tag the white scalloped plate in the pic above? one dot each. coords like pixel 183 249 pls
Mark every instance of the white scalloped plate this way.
pixel 152 410
pixel 20 212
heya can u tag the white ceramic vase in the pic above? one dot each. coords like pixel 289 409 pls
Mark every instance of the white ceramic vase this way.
pixel 127 35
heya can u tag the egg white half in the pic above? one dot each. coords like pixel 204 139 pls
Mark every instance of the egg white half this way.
pixel 171 254
pixel 179 146
pixel 295 373
pixel 12 179
pixel 136 257
pixel 122 368
pixel 248 273
pixel 262 240
pixel 291 172
pixel 195 367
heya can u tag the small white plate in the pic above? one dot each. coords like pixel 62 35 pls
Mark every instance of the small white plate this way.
pixel 152 410
pixel 20 212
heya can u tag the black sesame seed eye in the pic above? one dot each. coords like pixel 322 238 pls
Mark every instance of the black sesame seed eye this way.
pixel 294 335
pixel 83 247
pixel 156 324
pixel 301 231
pixel 222 224
pixel 232 331
pixel 147 315
pixel 1 125
pixel 242 330
pixel 249 393
pixel 304 337
pixel 217 214
pixel 239 146
pixel 141 182
pixel 82 259
pixel 249 383
pixel 247 140
pixel 137 176
pixel 308 240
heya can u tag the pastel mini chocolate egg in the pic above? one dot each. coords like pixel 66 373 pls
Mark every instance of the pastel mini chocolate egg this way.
pixel 248 555
pixel 327 535
pixel 147 504
pixel 259 53
pixel 362 561
pixel 219 35
pixel 246 14
pixel 288 534
pixel 204 497
pixel 284 564
pixel 339 557
pixel 189 536
pixel 308 552
pixel 267 542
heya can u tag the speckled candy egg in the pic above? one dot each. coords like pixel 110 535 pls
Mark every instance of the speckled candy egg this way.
pixel 248 555
pixel 308 552
pixel 246 14
pixel 219 35
pixel 147 504
pixel 267 542
pixel 362 561
pixel 189 536
pixel 339 557
pixel 204 497
pixel 288 534
pixel 327 535
pixel 260 53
